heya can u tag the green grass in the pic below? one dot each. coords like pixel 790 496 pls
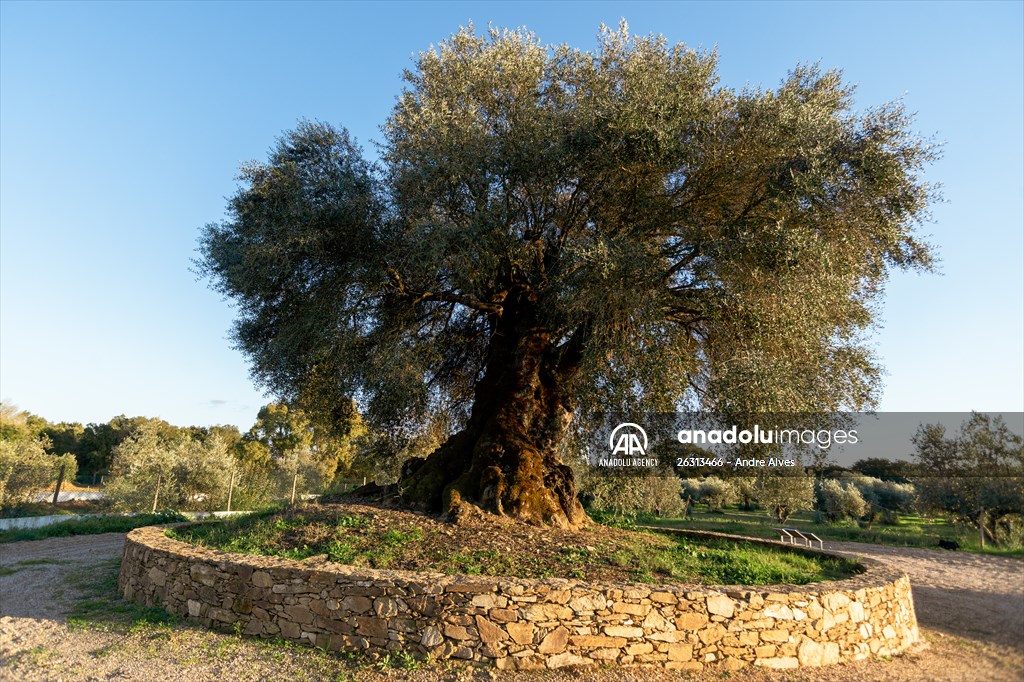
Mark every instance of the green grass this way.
pixel 641 556
pixel 106 524
pixel 909 531
pixel 99 605
pixel 153 632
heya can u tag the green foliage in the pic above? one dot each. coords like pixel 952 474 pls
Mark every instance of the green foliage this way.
pixel 977 475
pixel 180 471
pixel 896 471
pixel 784 494
pixel 654 494
pixel 712 491
pixel 26 469
pixel 17 425
pixel 838 501
pixel 721 243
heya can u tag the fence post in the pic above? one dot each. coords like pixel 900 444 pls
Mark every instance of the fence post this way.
pixel 231 486
pixel 156 495
pixel 295 481
pixel 60 482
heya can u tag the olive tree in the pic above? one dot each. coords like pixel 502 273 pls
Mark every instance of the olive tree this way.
pixel 784 494
pixel 975 475
pixel 170 470
pixel 26 469
pixel 838 501
pixel 551 230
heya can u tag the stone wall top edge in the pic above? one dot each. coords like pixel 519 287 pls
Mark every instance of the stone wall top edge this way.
pixel 876 575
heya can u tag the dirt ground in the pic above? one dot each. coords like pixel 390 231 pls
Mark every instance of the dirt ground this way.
pixel 970 607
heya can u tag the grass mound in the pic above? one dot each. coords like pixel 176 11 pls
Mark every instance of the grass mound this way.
pixel 359 535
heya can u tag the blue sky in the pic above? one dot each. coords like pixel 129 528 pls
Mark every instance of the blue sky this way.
pixel 122 127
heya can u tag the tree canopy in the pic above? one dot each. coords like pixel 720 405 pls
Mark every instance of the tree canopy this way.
pixel 551 230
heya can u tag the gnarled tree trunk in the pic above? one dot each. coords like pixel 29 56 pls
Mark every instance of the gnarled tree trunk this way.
pixel 506 459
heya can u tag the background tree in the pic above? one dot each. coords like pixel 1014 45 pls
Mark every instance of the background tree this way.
pixel 552 230
pixel 16 425
pixel 784 494
pixel 192 473
pixel 897 471
pixel 838 501
pixel 286 430
pixel 26 469
pixel 977 475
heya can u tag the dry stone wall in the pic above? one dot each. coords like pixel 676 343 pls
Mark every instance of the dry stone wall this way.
pixel 524 624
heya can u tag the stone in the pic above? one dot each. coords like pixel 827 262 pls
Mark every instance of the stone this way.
pixel 712 633
pixel 299 613
pixel 503 615
pixel 775 636
pixel 371 627
pixel 356 604
pixel 836 601
pixel 565 660
pixel 157 577
pixel 810 653
pixel 732 664
pixel 489 632
pixel 778 663
pixel 655 621
pixel 856 611
pixel 470 587
pixel 778 611
pixel 680 652
pixel 547 612
pixel 431 637
pixel 489 601
pixel 720 605
pixel 748 638
pixel 631 609
pixel 554 642
pixel 691 621
pixel 203 574
pixel 766 651
pixel 594 641
pixel 830 653
pixel 385 607
pixel 623 631
pixel 289 630
pixel 456 632
pixel 639 648
pixel 521 633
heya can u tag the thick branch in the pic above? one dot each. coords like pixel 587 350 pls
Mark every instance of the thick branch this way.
pixel 399 285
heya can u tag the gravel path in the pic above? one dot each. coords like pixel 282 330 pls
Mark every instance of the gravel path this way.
pixel 976 596
pixel 971 609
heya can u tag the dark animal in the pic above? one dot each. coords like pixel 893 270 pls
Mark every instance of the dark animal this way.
pixel 949 544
